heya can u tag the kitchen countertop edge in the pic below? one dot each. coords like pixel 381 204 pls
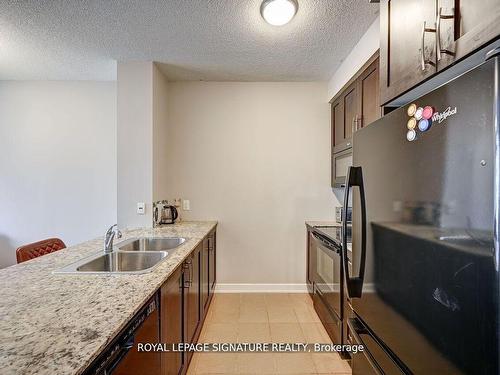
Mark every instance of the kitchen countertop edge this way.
pixel 24 352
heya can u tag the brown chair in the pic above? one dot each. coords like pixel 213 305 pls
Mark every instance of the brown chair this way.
pixel 37 249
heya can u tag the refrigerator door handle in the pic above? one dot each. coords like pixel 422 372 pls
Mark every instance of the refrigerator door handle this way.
pixel 354 284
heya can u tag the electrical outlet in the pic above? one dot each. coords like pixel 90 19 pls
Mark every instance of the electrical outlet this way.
pixel 141 208
pixel 186 205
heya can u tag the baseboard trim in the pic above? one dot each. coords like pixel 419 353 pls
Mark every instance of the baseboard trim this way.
pixel 261 288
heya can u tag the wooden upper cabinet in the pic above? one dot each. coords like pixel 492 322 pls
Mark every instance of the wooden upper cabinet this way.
pixel 357 105
pixel 338 122
pixel 369 110
pixel 464 26
pixel 351 109
pixel 406 27
pixel 422 37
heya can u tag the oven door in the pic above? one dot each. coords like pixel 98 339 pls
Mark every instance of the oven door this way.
pixel 329 274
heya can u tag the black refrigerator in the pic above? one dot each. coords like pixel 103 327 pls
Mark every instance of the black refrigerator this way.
pixel 424 188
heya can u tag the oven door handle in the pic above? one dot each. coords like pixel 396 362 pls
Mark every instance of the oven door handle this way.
pixel 354 284
pixel 326 243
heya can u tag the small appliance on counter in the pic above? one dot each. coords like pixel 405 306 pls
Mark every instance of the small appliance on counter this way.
pixel 165 214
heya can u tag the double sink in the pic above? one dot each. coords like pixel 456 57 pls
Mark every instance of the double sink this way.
pixel 136 255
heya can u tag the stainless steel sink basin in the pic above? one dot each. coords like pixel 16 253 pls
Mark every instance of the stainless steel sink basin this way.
pixel 136 255
pixel 151 244
pixel 117 262
pixel 123 262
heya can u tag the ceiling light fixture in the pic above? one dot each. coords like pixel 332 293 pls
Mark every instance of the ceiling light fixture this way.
pixel 278 12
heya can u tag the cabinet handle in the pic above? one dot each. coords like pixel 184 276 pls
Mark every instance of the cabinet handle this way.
pixel 438 35
pixel 440 17
pixel 191 273
pixel 423 61
pixel 187 267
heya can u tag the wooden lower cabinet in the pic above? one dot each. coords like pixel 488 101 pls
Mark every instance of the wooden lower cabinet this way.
pixel 171 321
pixel 204 285
pixel 212 268
pixel 192 297
pixel 207 272
pixel 185 299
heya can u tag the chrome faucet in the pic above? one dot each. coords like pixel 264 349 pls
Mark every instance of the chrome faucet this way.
pixel 109 237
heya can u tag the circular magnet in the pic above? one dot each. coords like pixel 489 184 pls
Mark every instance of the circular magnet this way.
pixel 412 109
pixel 418 113
pixel 424 125
pixel 427 112
pixel 411 135
pixel 411 124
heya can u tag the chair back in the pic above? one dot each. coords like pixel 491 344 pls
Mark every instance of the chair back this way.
pixel 37 249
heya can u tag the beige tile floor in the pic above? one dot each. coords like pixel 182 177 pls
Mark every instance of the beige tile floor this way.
pixel 259 317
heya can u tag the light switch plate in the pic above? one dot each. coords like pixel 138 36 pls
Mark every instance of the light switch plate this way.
pixel 186 205
pixel 141 208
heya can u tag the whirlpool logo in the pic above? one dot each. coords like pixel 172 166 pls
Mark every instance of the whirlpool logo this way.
pixel 422 119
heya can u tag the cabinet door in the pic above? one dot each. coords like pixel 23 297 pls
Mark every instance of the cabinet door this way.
pixel 464 26
pixel 204 286
pixel 351 109
pixel 192 285
pixel 403 62
pixel 171 323
pixel 337 122
pixel 369 95
pixel 212 269
pixel 192 299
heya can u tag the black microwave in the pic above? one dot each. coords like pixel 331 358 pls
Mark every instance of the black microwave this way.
pixel 341 161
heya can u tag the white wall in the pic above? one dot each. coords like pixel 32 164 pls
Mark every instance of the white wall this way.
pixel 255 157
pixel 135 142
pixel 142 140
pixel 160 135
pixel 58 163
pixel 359 55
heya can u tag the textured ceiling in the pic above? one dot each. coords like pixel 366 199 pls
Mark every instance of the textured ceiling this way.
pixel 193 39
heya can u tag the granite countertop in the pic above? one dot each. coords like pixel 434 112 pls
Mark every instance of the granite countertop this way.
pixel 58 323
